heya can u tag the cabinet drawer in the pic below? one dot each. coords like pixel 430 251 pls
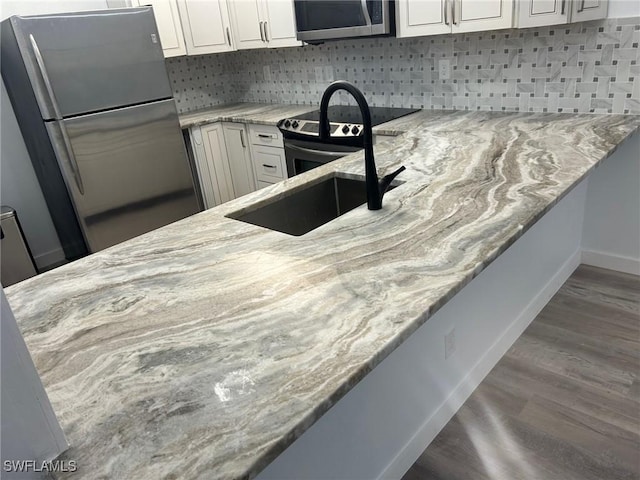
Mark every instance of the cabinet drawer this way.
pixel 265 135
pixel 269 163
pixel 262 184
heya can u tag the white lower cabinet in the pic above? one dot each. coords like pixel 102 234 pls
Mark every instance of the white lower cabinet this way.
pixel 239 156
pixel 267 152
pixel 223 162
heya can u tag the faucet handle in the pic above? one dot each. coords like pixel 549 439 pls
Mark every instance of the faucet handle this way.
pixel 387 179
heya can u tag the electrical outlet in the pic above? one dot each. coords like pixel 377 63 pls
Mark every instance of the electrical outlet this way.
pixel 444 69
pixel 449 343
pixel 328 73
pixel 267 73
pixel 319 74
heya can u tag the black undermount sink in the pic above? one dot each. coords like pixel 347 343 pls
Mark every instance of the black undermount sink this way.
pixel 304 210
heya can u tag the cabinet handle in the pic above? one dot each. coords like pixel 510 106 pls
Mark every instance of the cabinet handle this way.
pixel 453 11
pixel 242 138
pixel 73 164
pixel 266 165
pixel 564 2
pixel 446 12
pixel 261 34
pixel 581 8
pixel 228 36
pixel 266 37
pixel 264 135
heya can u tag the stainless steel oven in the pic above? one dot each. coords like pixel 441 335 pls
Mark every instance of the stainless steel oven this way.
pixel 304 155
pixel 303 148
pixel 319 20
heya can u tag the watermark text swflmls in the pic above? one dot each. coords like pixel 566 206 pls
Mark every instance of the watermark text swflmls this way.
pixel 21 466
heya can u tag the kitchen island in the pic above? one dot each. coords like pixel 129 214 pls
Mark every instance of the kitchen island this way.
pixel 206 348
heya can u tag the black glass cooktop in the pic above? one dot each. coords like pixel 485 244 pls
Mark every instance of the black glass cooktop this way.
pixel 351 114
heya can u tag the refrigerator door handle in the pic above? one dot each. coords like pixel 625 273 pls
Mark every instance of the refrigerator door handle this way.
pixel 56 111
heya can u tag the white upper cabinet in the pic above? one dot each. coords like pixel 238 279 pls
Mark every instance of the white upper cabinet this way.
pixel 206 26
pixel 432 17
pixel 477 15
pixel 168 23
pixel 280 23
pixel 422 17
pixel 583 10
pixel 263 23
pixel 535 13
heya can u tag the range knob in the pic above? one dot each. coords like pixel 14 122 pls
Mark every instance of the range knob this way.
pixel 345 129
pixel 295 124
pixel 287 123
pixel 355 130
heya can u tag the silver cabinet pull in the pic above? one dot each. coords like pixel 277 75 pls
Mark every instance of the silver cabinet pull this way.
pixel 564 3
pixel 266 37
pixel 446 12
pixel 58 115
pixel 581 8
pixel 453 11
pixel 264 135
pixel 261 33
pixel 242 138
pixel 266 165
pixel 228 36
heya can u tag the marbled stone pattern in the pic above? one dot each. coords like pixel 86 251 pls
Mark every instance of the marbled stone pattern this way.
pixel 258 113
pixel 205 348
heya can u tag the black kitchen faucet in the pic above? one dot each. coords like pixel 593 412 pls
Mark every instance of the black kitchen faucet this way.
pixel 375 189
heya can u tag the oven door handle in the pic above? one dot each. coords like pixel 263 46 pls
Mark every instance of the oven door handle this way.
pixel 322 153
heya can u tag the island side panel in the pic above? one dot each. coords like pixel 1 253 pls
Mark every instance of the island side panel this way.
pixel 379 428
pixel 611 236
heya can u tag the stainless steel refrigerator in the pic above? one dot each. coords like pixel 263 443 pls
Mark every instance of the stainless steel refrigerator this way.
pixel 93 100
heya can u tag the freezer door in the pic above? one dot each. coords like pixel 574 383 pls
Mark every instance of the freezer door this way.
pixel 93 61
pixel 126 170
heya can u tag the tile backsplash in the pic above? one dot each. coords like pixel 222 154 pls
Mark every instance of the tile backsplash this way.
pixel 582 67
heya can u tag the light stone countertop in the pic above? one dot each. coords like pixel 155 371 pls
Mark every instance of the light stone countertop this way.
pixel 258 113
pixel 270 114
pixel 205 348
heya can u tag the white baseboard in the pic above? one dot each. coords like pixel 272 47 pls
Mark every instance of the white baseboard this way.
pixel 611 261
pixel 430 429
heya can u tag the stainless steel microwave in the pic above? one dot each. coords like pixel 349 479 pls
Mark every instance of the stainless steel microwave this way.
pixel 319 20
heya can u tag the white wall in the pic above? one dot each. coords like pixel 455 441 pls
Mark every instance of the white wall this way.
pixel 611 237
pixel 18 183
pixel 19 188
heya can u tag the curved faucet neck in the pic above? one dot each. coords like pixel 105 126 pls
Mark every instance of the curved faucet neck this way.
pixel 374 196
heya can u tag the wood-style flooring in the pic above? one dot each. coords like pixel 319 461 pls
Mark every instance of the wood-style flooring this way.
pixel 563 403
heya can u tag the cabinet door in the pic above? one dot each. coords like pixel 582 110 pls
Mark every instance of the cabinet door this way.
pixel 235 138
pixel 269 163
pixel 477 15
pixel 206 26
pixel 280 23
pixel 217 162
pixel 583 10
pixel 168 23
pixel 247 24
pixel 422 17
pixel 536 13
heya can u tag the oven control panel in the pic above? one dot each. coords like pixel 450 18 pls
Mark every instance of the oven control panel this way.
pixel 312 128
